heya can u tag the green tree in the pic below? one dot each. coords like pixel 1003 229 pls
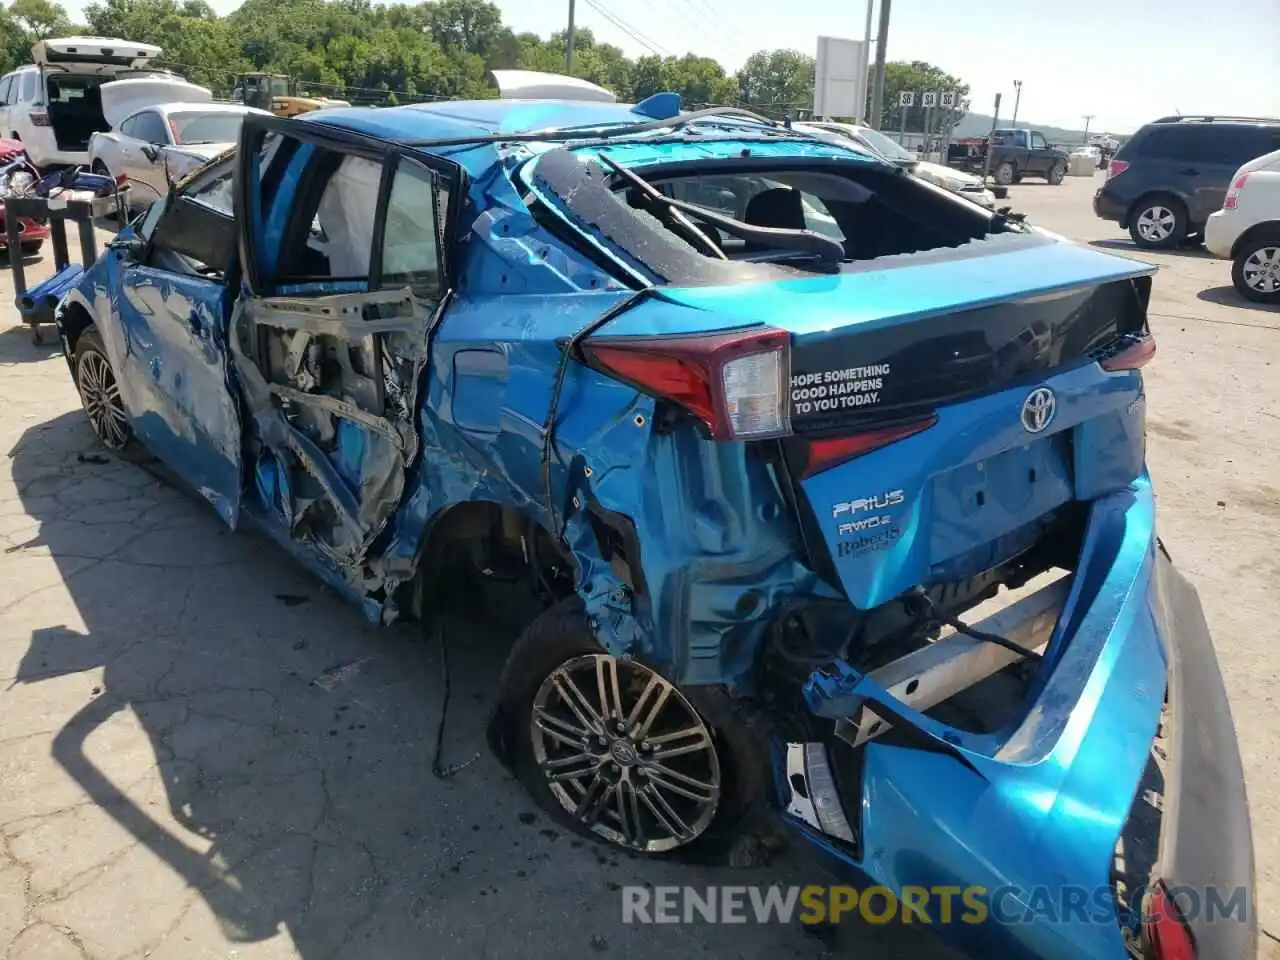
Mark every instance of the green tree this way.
pixel 777 81
pixel 919 77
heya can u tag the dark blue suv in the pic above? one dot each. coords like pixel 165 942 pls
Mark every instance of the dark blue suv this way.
pixel 1163 184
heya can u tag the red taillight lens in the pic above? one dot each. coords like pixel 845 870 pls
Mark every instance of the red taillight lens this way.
pixel 1166 933
pixel 39 118
pixel 1132 357
pixel 1116 167
pixel 832 451
pixel 737 384
pixel 1233 194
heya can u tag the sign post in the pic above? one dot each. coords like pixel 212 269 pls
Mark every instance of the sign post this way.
pixel 928 100
pixel 986 160
pixel 906 100
pixel 949 105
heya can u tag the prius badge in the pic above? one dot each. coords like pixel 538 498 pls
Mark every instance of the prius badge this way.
pixel 1038 410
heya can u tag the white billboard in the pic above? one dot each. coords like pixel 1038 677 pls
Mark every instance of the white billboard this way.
pixel 840 78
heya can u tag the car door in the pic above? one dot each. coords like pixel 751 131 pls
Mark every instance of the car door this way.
pixel 342 246
pixel 142 151
pixel 7 83
pixel 173 308
pixel 1039 158
pixel 1215 153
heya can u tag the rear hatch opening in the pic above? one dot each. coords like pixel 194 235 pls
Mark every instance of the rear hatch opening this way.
pixel 74 105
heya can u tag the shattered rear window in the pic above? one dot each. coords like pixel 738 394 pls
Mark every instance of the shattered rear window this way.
pixel 758 211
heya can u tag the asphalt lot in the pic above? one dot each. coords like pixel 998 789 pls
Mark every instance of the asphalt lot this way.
pixel 204 755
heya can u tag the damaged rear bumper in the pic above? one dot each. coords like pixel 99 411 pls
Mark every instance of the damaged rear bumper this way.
pixel 1006 843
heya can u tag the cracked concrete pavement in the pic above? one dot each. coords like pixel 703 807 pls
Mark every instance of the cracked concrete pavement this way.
pixel 204 755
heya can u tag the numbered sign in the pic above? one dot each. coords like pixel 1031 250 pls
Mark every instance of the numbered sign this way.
pixel 949 99
pixel 929 99
pixel 907 98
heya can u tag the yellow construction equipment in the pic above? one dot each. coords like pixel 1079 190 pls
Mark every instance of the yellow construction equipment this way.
pixel 277 93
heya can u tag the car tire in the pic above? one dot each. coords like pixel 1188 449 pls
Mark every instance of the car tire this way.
pixel 1006 173
pixel 31 247
pixel 1057 173
pixel 733 758
pixel 1158 223
pixel 95 380
pixel 1255 269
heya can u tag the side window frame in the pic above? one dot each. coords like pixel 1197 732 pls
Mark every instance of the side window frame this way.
pixel 187 197
pixel 1038 142
pixel 6 84
pixel 254 206
pixel 30 88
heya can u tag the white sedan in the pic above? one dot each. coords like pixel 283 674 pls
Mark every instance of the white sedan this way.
pixel 162 142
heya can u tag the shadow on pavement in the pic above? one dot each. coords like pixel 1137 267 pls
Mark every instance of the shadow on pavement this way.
pixel 1125 245
pixel 1228 296
pixel 287 771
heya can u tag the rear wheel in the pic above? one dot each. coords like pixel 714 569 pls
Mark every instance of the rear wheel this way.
pixel 1158 223
pixel 1056 173
pixel 1255 271
pixel 100 394
pixel 617 753
pixel 1006 173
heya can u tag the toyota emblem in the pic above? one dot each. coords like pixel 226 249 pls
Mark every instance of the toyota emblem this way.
pixel 1038 410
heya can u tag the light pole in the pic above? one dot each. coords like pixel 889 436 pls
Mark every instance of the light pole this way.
pixel 882 42
pixel 1087 118
pixel 568 42
pixel 867 40
pixel 1017 98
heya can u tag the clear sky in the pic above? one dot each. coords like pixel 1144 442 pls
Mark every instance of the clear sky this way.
pixel 1125 61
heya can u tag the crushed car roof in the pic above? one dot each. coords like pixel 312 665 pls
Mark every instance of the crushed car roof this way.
pixel 484 120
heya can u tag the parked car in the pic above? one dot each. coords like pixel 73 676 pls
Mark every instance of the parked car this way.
pixel 877 143
pixel 1163 184
pixel 53 105
pixel 1246 230
pixel 1016 152
pixel 162 129
pixel 750 475
pixel 19 176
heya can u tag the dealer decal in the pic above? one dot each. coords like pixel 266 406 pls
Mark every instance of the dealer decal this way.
pixel 844 389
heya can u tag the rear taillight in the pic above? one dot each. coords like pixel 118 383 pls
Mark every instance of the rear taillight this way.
pixel 1233 194
pixel 1166 933
pixel 831 451
pixel 736 384
pixel 39 118
pixel 1116 167
pixel 1132 357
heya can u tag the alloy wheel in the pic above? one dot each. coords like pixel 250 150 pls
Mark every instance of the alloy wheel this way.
pixel 1261 270
pixel 101 398
pixel 625 753
pixel 1156 223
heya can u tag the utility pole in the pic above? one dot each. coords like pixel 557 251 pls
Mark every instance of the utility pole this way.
pixel 1017 98
pixel 870 7
pixel 1087 118
pixel 882 42
pixel 568 42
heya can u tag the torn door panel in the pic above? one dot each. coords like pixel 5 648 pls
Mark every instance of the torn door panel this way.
pixel 331 385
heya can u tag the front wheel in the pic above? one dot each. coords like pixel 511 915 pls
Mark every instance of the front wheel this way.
pixel 1255 271
pixel 618 753
pixel 1056 173
pixel 100 394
